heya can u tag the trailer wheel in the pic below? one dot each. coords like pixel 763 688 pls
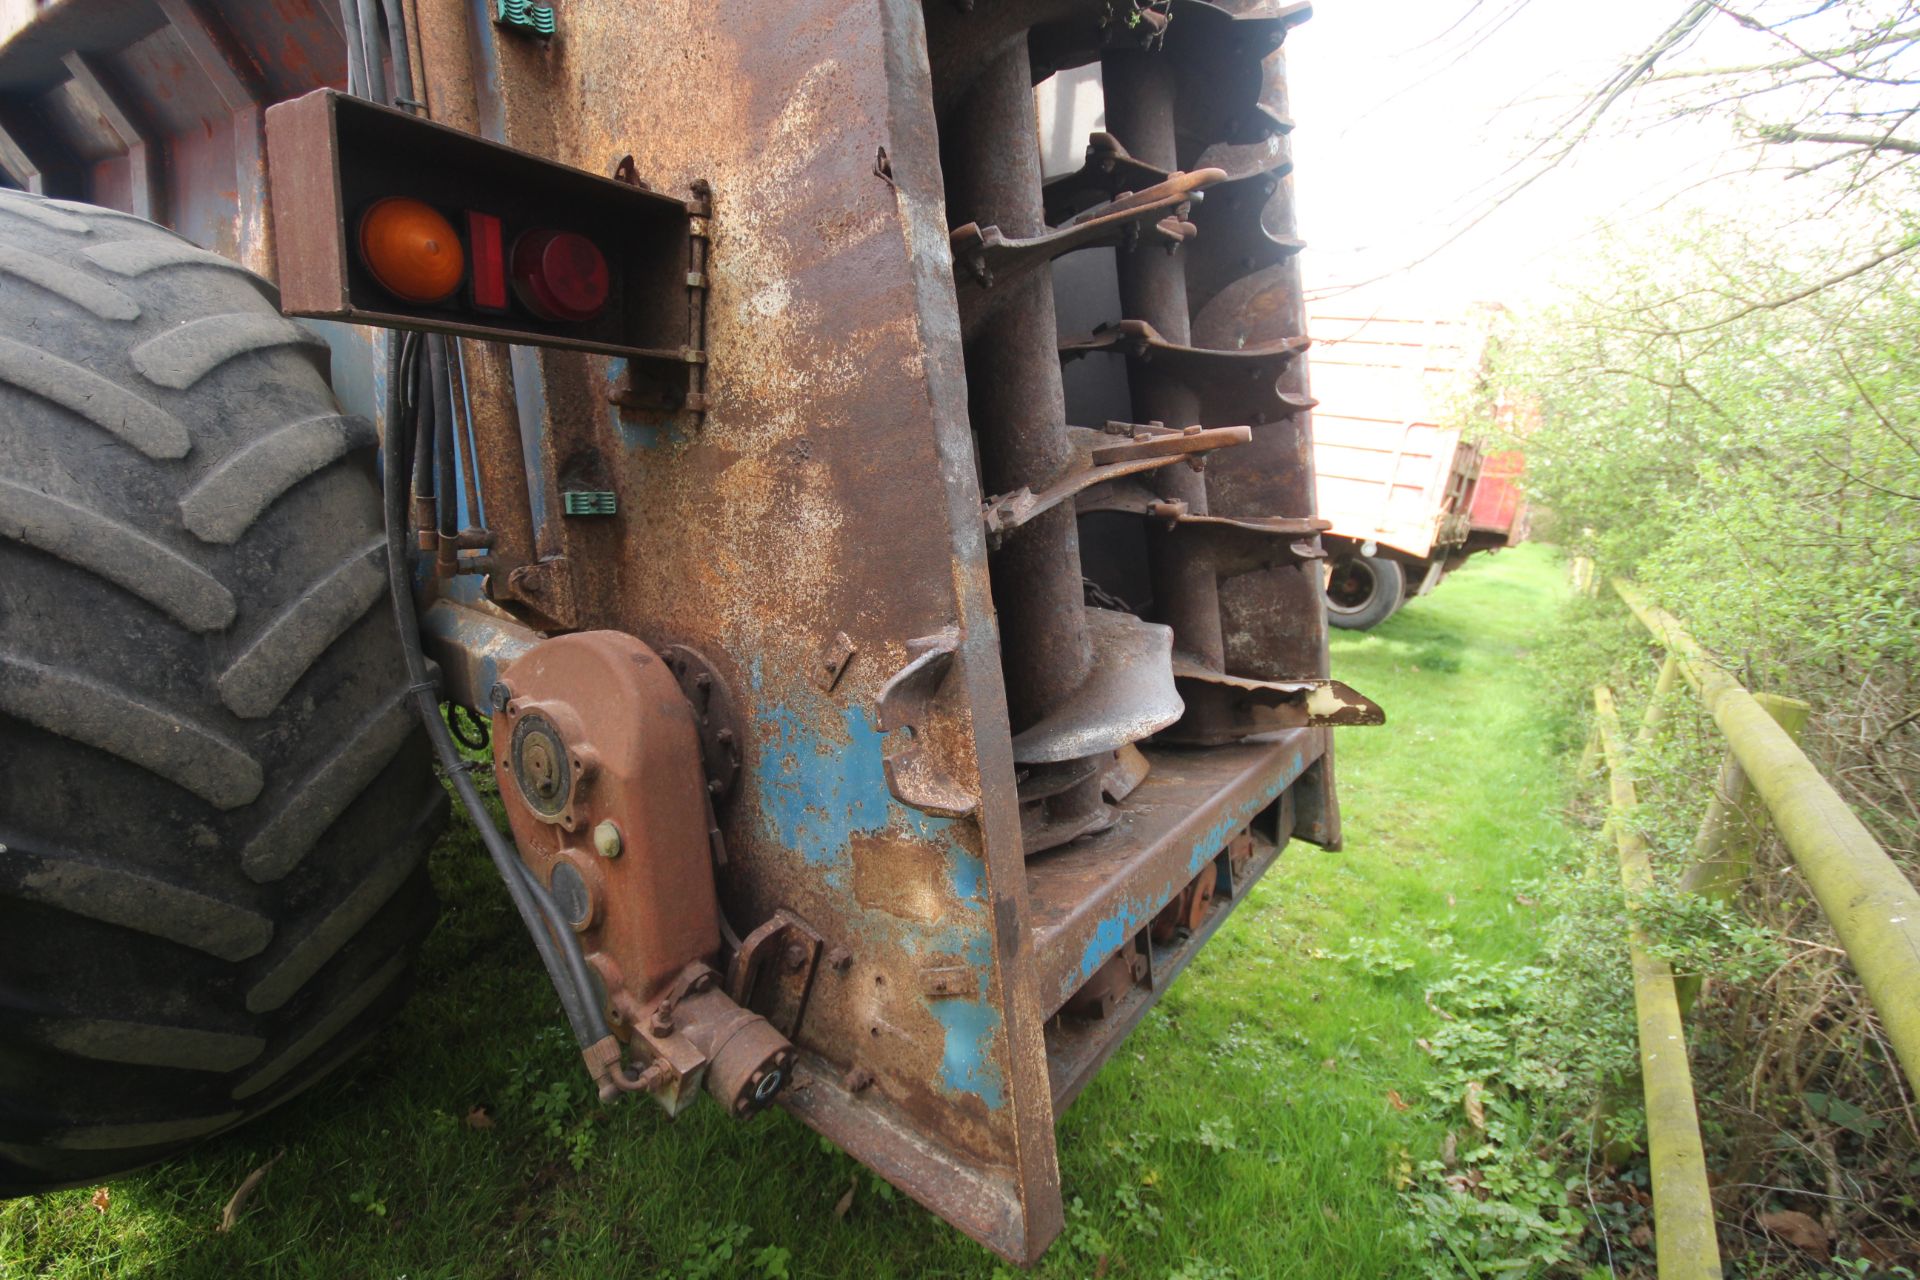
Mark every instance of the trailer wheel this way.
pixel 215 799
pixel 1363 591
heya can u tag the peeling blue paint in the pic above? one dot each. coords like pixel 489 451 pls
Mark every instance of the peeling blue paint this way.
pixel 967 873
pixel 1214 837
pixel 821 780
pixel 816 793
pixel 967 1063
pixel 1112 933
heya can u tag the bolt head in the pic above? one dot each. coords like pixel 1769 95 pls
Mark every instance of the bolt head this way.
pixel 606 839
pixel 500 695
pixel 796 957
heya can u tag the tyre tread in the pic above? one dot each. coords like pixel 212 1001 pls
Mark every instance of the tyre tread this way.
pixel 217 800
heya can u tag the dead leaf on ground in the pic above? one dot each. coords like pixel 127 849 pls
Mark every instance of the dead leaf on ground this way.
pixel 1450 1150
pixel 1641 1236
pixel 248 1185
pixel 479 1118
pixel 1798 1230
pixel 845 1202
pixel 1395 1101
pixel 1524 900
pixel 1476 1109
pixel 102 1198
pixel 1881 1253
pixel 1328 1063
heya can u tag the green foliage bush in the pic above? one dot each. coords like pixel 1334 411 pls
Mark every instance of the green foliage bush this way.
pixel 1757 469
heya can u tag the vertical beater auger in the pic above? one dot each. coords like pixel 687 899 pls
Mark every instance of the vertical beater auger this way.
pixel 1195 141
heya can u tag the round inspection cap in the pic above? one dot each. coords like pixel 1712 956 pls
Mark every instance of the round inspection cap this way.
pixel 570 894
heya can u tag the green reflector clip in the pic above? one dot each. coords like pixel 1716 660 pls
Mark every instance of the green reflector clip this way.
pixel 524 15
pixel 588 502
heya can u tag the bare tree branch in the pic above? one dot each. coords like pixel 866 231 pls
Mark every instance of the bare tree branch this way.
pixel 1785 134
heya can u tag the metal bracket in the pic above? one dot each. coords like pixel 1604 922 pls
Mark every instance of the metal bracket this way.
pixel 772 972
pixel 905 702
pixel 545 587
pixel 833 659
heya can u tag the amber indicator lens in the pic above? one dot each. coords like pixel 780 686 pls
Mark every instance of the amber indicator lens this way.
pixel 411 249
pixel 559 275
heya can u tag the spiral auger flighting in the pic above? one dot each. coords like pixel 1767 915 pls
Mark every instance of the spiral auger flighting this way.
pixel 1188 185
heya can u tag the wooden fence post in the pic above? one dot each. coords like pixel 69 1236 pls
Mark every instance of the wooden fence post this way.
pixel 1731 830
pixel 1657 704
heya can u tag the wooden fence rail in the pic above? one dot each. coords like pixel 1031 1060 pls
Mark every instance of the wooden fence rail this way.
pixel 1685 1244
pixel 1872 906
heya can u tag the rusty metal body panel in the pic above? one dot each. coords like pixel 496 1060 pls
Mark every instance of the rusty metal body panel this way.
pixel 990 917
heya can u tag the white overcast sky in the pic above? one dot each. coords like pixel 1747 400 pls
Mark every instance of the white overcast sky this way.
pixel 1400 132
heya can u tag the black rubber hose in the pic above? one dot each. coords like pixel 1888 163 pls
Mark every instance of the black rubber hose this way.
pixel 552 937
pixel 376 83
pixel 397 45
pixel 422 438
pixel 356 48
pixel 446 482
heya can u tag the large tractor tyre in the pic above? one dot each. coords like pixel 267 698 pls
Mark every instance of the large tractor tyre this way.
pixel 1363 591
pixel 215 800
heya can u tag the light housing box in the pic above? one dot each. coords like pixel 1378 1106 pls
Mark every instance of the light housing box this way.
pixel 331 157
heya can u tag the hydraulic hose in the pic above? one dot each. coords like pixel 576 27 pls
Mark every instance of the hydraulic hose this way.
pixel 418 389
pixel 552 937
pixel 445 483
pixel 414 384
pixel 356 49
pixel 402 61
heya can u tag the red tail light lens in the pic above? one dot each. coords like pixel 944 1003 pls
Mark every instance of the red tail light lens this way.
pixel 559 275
pixel 489 281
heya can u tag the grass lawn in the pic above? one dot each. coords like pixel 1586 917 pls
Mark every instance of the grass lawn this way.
pixel 1250 1128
